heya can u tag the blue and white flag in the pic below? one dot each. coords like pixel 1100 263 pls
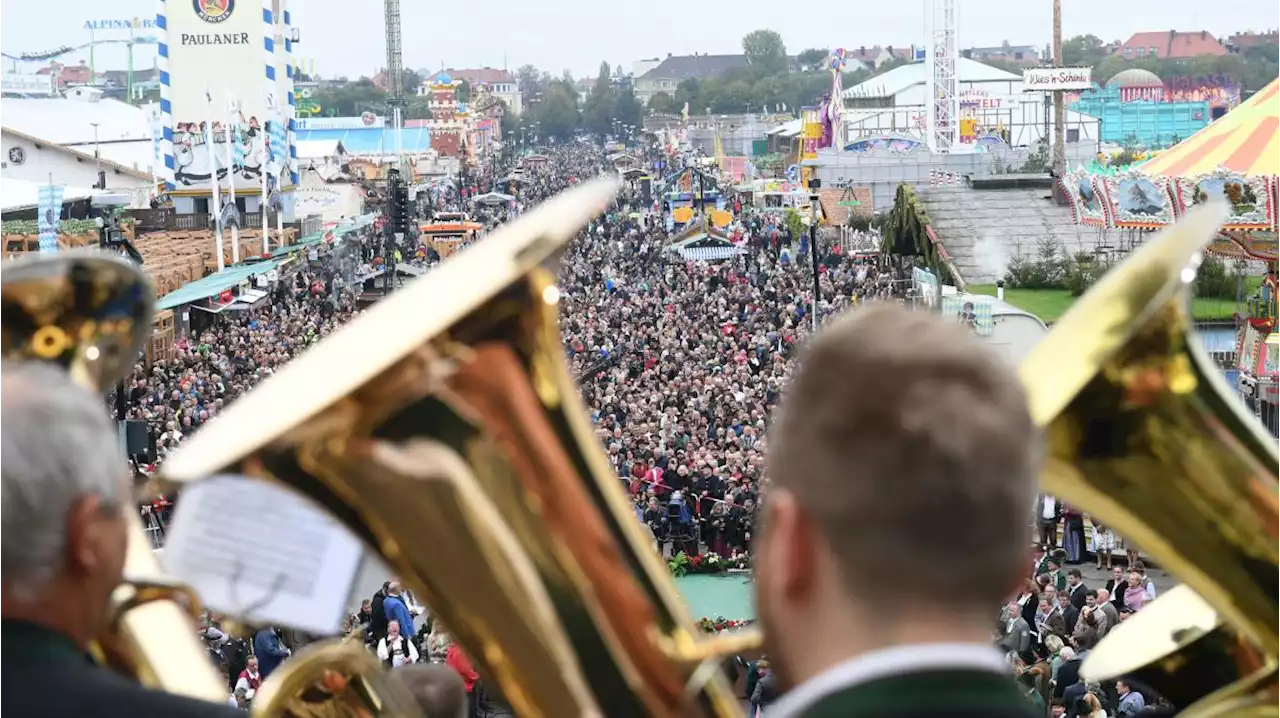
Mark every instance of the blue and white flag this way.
pixel 279 147
pixel 234 135
pixel 50 209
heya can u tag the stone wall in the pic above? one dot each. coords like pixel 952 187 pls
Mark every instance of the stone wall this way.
pixel 983 229
pixel 882 172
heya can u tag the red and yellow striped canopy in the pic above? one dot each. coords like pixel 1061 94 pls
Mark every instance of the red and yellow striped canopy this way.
pixel 1245 140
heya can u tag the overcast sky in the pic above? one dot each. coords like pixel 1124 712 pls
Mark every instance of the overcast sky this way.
pixel 346 38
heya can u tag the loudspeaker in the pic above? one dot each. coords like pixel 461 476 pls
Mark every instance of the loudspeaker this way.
pixel 137 440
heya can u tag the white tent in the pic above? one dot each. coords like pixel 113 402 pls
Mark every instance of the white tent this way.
pixel 493 198
pixel 16 194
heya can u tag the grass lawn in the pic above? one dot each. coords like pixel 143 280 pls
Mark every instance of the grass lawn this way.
pixel 1050 304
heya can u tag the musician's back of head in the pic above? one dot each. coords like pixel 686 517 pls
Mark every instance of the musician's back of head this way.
pixel 902 468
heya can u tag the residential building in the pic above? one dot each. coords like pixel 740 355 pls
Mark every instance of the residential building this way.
pixel 66 75
pixel 676 68
pixel 498 83
pixel 640 67
pixel 875 56
pixel 1027 55
pixel 1170 44
pixel 584 87
pixel 1242 41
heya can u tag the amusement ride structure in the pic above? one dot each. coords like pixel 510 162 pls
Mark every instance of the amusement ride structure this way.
pixel 55 53
pixel 1234 157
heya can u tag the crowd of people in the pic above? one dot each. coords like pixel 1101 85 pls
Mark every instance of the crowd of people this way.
pixel 681 364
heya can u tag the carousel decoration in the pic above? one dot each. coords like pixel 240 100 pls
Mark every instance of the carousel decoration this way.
pixel 1081 187
pixel 1136 200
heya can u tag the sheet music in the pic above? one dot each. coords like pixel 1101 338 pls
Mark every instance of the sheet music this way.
pixel 262 553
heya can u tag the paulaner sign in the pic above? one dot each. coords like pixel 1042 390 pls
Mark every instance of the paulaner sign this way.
pixel 1056 79
pixel 219 38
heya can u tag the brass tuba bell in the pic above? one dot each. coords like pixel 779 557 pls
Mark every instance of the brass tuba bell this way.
pixel 90 312
pixel 1142 432
pixel 443 429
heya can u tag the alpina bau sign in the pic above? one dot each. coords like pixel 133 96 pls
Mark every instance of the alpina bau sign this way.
pixel 1056 79
pixel 137 23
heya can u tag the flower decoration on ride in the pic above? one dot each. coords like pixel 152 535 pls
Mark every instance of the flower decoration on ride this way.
pixel 838 60
pixel 720 623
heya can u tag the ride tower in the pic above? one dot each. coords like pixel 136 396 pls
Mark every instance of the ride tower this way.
pixel 942 58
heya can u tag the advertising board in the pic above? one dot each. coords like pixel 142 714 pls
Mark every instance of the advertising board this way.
pixel 23 84
pixel 1056 79
pixel 365 121
pixel 216 47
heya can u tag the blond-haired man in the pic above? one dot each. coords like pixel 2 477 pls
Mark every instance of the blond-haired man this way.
pixel 902 466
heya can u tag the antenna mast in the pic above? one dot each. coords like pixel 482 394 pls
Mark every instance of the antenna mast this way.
pixel 942 57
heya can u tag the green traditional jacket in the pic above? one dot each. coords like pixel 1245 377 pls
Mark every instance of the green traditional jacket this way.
pixel 25 642
pixel 927 692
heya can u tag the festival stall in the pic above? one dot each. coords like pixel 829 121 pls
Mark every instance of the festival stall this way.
pixel 493 199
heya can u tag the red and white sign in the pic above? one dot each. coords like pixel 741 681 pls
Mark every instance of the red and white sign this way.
pixel 1056 79
pixel 368 118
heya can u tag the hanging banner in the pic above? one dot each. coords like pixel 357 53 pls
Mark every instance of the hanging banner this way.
pixel 225 47
pixel 50 210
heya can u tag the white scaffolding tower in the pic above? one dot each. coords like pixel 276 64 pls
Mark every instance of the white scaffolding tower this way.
pixel 942 58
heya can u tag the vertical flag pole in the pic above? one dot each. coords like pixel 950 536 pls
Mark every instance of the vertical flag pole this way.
pixel 263 168
pixel 213 176
pixel 233 141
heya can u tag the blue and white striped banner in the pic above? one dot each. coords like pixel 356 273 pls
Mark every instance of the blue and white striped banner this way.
pixel 50 211
pixel 165 149
pixel 291 108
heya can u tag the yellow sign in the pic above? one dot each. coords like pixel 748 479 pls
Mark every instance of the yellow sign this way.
pixel 682 214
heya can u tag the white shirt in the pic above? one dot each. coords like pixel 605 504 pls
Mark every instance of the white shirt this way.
pixel 1049 505
pixel 401 651
pixel 884 663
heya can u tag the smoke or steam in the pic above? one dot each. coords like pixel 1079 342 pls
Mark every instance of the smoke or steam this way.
pixel 991 254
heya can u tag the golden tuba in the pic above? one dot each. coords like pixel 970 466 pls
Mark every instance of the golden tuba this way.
pixel 91 312
pixel 1142 432
pixel 442 428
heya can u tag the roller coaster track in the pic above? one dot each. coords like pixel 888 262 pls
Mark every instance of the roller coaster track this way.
pixel 67 49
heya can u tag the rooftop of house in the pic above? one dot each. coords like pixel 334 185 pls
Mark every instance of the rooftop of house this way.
pixel 66 121
pixel 684 67
pixel 482 75
pixel 869 54
pixel 1001 49
pixel 1253 39
pixel 1175 44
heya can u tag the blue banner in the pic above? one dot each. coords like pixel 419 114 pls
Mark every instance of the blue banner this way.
pixel 50 210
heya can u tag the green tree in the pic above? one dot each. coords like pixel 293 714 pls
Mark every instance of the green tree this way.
pixel 462 91
pixel 598 112
pixel 531 82
pixel 557 112
pixel 765 51
pixel 1083 50
pixel 689 92
pixel 351 99
pixel 661 103
pixel 812 58
pixel 627 109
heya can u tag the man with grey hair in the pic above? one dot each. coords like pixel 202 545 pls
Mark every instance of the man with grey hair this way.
pixel 903 447
pixel 64 493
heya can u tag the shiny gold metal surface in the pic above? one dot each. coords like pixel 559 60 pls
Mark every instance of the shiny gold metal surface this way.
pixel 334 680
pixel 443 428
pixel 90 312
pixel 1143 433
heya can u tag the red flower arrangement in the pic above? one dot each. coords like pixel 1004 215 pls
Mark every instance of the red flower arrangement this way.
pixel 720 623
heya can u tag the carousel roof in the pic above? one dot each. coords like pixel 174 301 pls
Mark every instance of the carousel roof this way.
pixel 1245 140
pixel 1135 77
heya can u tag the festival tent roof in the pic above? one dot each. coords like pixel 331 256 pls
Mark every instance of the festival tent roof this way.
pixel 1245 140
pixel 493 198
pixel 16 194
pixel 371 140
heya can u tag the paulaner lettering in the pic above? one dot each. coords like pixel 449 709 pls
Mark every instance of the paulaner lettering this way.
pixel 216 38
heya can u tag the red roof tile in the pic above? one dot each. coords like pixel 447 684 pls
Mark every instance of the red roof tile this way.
pixel 1174 44
pixel 482 76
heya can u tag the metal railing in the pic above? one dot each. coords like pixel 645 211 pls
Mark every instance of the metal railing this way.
pixel 163 219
